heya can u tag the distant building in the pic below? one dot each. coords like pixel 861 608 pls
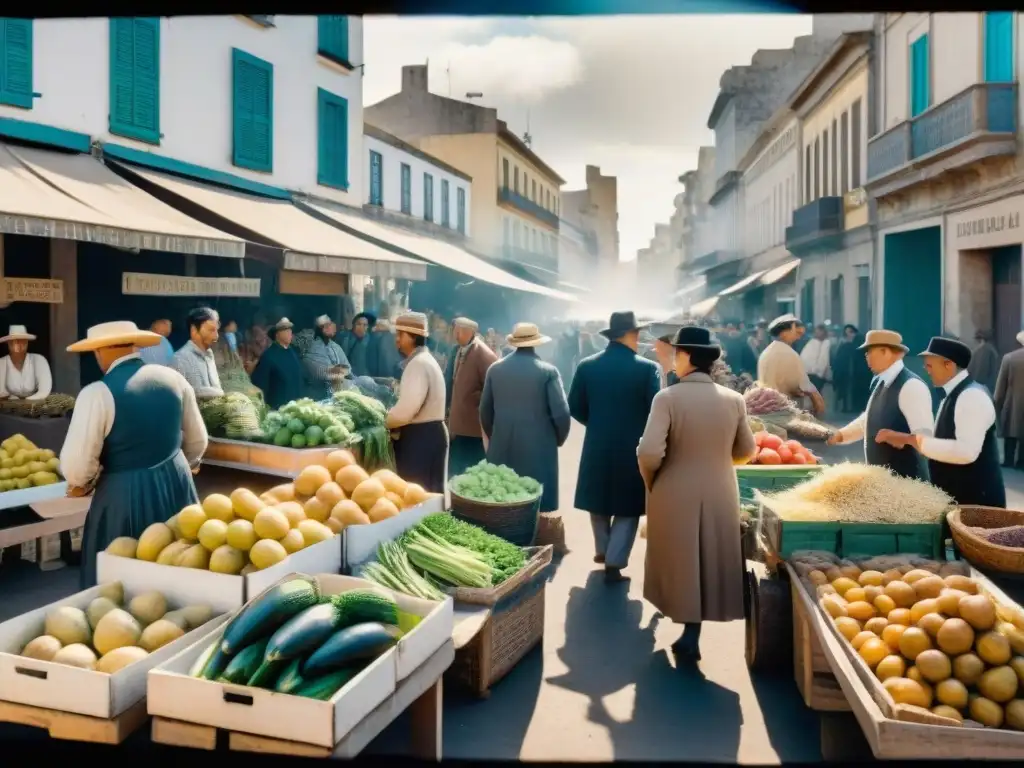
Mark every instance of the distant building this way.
pixel 595 211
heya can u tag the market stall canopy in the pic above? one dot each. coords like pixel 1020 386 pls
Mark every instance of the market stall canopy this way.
pixel 696 285
pixel 743 285
pixel 439 252
pixel 76 197
pixel 704 307
pixel 310 244
pixel 773 276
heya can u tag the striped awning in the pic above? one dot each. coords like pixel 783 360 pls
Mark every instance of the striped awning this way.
pixel 773 276
pixel 746 283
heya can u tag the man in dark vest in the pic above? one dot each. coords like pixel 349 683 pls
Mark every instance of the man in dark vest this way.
pixel 963 458
pixel 900 402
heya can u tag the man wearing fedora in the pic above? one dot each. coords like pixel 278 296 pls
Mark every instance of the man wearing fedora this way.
pixel 523 412
pixel 464 386
pixel 781 368
pixel 133 439
pixel 279 370
pixel 963 458
pixel 24 375
pixel 900 401
pixel 1009 403
pixel 611 395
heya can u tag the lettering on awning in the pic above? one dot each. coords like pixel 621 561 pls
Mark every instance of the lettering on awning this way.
pixel 145 284
pixel 38 290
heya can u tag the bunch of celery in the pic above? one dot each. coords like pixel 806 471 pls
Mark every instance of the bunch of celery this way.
pixel 453 564
pixel 394 571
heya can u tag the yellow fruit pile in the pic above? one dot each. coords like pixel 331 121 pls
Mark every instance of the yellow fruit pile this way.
pixel 933 642
pixel 109 635
pixel 243 533
pixel 23 465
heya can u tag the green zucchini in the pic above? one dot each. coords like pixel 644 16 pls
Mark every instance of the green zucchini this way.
pixel 291 678
pixel 304 632
pixel 218 662
pixel 267 673
pixel 360 605
pixel 243 666
pixel 261 617
pixel 325 686
pixel 363 641
pixel 203 659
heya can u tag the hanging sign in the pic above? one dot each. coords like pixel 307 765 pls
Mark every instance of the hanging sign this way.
pixel 37 290
pixel 145 284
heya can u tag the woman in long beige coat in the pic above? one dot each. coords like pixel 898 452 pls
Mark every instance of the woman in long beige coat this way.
pixel 695 434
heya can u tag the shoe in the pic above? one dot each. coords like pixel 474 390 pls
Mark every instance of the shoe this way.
pixel 599 559
pixel 614 576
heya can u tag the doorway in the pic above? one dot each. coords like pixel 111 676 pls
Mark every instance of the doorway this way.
pixel 835 303
pixel 912 289
pixel 1006 297
pixel 864 303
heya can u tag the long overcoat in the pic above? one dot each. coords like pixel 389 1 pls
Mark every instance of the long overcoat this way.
pixel 1009 395
pixel 694 566
pixel 465 390
pixel 611 396
pixel 526 419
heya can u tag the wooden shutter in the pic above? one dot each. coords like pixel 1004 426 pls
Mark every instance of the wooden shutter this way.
pixel 999 47
pixel 135 78
pixel 376 180
pixel 332 34
pixel 919 85
pixel 332 149
pixel 460 201
pixel 16 63
pixel 253 112
pixel 406 189
pixel 445 208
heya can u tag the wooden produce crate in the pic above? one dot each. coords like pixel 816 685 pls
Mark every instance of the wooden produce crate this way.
pixel 818 686
pixel 262 458
pixel 75 727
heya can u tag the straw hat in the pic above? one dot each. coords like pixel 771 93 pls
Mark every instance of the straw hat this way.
pixel 17 333
pixel 412 322
pixel 117 333
pixel 526 335
pixel 882 338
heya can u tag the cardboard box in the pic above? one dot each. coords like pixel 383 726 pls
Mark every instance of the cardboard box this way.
pixel 361 541
pixel 82 691
pixel 175 695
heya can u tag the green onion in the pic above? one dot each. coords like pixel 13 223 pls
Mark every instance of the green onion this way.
pixel 457 565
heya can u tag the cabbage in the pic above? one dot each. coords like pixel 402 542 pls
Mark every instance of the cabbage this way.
pixel 496 484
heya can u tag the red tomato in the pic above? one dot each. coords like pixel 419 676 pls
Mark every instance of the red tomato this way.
pixel 769 456
pixel 794 446
pixel 812 459
pixel 799 458
pixel 759 438
pixel 771 441
pixel 785 454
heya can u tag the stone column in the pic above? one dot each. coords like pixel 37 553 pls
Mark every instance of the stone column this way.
pixel 64 318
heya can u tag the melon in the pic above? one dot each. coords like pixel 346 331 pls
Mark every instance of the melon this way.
pixel 350 476
pixel 347 512
pixel 986 712
pixel 395 499
pixel 270 523
pixel 123 546
pixel 44 648
pixel 197 615
pixel 115 630
pixel 177 617
pixel 929 587
pixel 848 628
pixel 314 532
pixel 217 506
pixel 902 594
pixel 170 554
pixel 119 658
pixel 384 509
pixel 158 634
pixel 311 478
pixel 148 607
pixel 213 534
pixel 952 693
pixel 227 559
pixel 153 540
pixel 197 556
pixel 993 648
pixel 246 503
pixel 338 460
pixel 913 642
pixel 368 492
pixel 76 655
pixel 891 666
pixel 934 665
pixel 241 535
pixel 955 637
pixel 112 590
pixel 391 481
pixel 968 668
pixel 293 510
pixel 268 552
pixel 906 691
pixel 334 524
pixel 978 611
pixel 944 710
pixel 998 684
pixel 172 523
pixel 293 541
pixel 415 494
pixel 190 520
pixel 330 494
pixel 1015 715
pixel 279 493
pixel 315 509
pixel 99 608
pixel 68 624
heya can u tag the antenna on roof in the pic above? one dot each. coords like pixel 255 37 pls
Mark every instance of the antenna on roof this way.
pixel 527 138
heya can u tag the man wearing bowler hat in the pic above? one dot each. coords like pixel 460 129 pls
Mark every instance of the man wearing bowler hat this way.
pixel 963 458
pixel 611 395
pixel 899 402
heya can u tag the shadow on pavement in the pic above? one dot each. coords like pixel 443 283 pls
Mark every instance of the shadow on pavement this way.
pixel 793 730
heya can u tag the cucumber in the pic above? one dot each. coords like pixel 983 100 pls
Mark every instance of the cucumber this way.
pixel 261 617
pixel 304 632
pixel 216 665
pixel 324 687
pixel 291 678
pixel 267 673
pixel 245 664
pixel 363 641
pixel 204 658
pixel 360 605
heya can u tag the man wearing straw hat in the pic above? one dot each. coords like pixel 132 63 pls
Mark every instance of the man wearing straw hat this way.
pixel 464 386
pixel 963 457
pixel 133 438
pixel 421 447
pixel 900 401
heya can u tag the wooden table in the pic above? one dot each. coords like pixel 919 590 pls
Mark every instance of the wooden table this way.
pixel 24 524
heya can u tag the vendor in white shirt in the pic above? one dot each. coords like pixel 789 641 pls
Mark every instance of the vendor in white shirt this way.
pixel 900 402
pixel 23 375
pixel 817 357
pixel 963 458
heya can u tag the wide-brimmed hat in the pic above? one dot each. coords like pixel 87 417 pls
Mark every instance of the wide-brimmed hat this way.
pixel 412 322
pixel 465 322
pixel 117 333
pixel 955 351
pixel 782 320
pixel 17 333
pixel 694 337
pixel 621 323
pixel 526 335
pixel 281 325
pixel 882 338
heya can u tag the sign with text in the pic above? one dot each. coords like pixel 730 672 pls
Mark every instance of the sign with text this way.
pixel 987 226
pixel 145 284
pixel 38 290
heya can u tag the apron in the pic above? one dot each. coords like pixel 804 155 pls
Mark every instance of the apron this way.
pixel 421 453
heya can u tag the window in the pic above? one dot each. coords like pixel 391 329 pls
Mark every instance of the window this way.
pixel 515 179
pixel 376 179
pixel 817 169
pixel 332 140
pixel 526 186
pixel 460 209
pixel 504 173
pixel 807 174
pixel 406 189
pixel 16 62
pixel 855 145
pixel 253 109
pixel 515 234
pixel 533 193
pixel 446 220
pixel 785 213
pixel 920 91
pixel 547 199
pixel 999 46
pixel 134 78
pixel 824 162
pixel 844 143
pixel 332 38
pixel 428 197
pixel 834 173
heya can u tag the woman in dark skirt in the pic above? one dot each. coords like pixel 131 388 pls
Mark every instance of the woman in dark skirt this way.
pixel 421 443
pixel 134 442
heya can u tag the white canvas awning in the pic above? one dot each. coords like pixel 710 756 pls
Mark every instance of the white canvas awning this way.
pixel 746 283
pixel 773 276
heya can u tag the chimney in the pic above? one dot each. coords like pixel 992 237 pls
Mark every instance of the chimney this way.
pixel 414 78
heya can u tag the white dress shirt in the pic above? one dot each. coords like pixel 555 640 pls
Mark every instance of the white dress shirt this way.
pixel 93 418
pixel 32 382
pixel 817 359
pixel 421 394
pixel 915 404
pixel 974 416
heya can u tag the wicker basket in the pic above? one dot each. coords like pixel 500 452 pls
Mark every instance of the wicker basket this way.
pixel 551 530
pixel 538 560
pixel 981 552
pixel 55 405
pixel 516 523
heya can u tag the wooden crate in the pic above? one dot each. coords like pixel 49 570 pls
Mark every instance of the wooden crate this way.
pixel 72 727
pixel 267 459
pixel 818 686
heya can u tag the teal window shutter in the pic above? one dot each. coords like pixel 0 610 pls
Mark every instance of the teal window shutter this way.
pixel 332 140
pixel 376 179
pixel 406 189
pixel 332 38
pixel 135 78
pixel 920 91
pixel 460 204
pixel 428 197
pixel 253 112
pixel 999 46
pixel 446 220
pixel 16 62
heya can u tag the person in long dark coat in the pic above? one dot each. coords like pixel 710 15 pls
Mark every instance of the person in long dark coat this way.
pixel 384 360
pixel 524 414
pixel 279 371
pixel 985 359
pixel 846 356
pixel 1009 403
pixel 860 376
pixel 611 396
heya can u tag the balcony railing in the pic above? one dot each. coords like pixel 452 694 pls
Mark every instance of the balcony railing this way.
pixel 983 110
pixel 530 258
pixel 816 224
pixel 526 205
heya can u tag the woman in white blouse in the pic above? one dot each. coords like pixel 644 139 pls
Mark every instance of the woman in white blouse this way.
pixel 23 376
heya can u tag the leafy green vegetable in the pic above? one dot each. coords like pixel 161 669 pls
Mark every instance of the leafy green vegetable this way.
pixel 456 565
pixel 394 571
pixel 505 558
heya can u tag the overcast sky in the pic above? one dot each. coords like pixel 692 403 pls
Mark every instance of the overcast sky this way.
pixel 631 94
